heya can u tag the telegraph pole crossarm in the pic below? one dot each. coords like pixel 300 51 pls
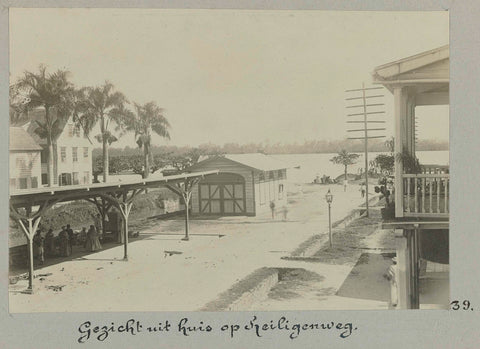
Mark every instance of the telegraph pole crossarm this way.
pixel 366 112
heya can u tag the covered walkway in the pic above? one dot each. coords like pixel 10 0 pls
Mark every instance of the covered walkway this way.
pixel 28 206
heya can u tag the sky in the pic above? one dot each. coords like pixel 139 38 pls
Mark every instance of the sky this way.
pixel 232 75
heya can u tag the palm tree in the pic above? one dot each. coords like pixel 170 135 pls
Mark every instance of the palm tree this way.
pixel 345 158
pixel 106 106
pixel 147 119
pixel 53 93
pixel 18 108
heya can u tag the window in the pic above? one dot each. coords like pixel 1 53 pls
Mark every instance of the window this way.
pixel 85 152
pixel 21 164
pixel 261 177
pixel 280 174
pixel 75 177
pixel 280 191
pixel 70 130
pixel 34 182
pixel 86 177
pixel 270 175
pixel 13 183
pixel 74 154
pixel 65 179
pixel 63 154
pixel 23 183
pixel 44 178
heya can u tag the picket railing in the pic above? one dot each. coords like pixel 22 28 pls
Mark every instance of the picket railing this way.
pixel 426 194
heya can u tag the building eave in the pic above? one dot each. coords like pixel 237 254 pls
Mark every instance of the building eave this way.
pixel 407 64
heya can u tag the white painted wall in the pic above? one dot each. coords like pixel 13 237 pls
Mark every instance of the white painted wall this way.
pixel 69 140
pixel 24 164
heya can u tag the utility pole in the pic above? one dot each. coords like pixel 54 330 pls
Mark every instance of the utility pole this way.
pixel 366 112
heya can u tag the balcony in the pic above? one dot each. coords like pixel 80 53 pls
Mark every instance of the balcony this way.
pixel 426 194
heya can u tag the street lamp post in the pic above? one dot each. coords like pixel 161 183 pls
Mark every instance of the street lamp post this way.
pixel 329 198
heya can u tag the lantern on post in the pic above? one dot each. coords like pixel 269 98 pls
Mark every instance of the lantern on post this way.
pixel 329 199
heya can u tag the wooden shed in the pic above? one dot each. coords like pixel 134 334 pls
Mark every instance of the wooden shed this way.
pixel 245 185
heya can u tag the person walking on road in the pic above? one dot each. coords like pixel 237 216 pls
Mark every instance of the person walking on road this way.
pixel 272 208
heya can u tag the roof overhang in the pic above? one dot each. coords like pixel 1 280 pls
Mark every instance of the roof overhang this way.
pixel 425 73
pixel 33 197
pixel 226 157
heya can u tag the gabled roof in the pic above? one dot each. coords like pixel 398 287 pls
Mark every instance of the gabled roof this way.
pixel 432 65
pixel 20 140
pixel 255 161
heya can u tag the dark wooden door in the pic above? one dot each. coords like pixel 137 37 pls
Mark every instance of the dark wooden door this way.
pixel 222 198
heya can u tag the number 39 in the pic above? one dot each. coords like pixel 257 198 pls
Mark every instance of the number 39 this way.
pixel 458 305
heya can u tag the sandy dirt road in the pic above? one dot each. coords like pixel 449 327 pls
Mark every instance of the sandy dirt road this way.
pixel 205 266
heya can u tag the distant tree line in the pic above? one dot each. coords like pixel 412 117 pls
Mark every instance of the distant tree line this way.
pixel 306 147
pixel 177 160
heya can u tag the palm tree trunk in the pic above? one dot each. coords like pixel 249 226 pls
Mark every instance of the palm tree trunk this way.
pixel 104 148
pixel 146 154
pixel 105 158
pixel 50 147
pixel 55 161
pixel 346 179
pixel 50 161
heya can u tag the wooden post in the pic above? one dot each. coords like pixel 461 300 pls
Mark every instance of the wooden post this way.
pixel 365 128
pixel 30 257
pixel 403 268
pixel 102 214
pixel 30 233
pixel 125 208
pixel 186 200
pixel 366 148
pixel 185 192
pixel 330 226
pixel 446 194
pixel 399 134
pixel 414 253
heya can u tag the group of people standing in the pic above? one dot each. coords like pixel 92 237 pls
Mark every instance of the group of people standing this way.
pixel 62 244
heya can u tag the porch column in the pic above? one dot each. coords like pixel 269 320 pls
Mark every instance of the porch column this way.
pixel 414 125
pixel 29 230
pixel 407 269
pixel 400 141
pixel 414 262
pixel 403 276
pixel 410 129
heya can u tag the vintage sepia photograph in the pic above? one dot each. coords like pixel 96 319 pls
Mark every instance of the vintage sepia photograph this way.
pixel 228 160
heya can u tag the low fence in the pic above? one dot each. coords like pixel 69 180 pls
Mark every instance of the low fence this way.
pixel 426 195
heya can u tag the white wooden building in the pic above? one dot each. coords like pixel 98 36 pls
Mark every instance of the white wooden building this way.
pixel 74 152
pixel 421 219
pixel 245 185
pixel 24 160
